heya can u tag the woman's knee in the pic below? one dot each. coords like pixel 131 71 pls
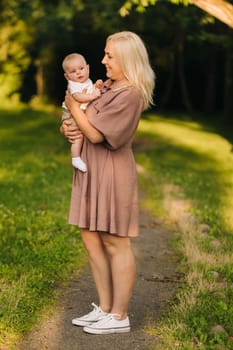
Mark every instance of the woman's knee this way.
pixel 115 245
pixel 92 242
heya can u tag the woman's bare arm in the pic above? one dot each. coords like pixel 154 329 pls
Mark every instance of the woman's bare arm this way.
pixel 80 117
pixel 71 132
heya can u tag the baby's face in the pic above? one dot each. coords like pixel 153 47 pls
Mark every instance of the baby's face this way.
pixel 77 70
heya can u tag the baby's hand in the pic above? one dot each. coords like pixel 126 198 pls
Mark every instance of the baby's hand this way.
pixel 99 84
pixel 96 93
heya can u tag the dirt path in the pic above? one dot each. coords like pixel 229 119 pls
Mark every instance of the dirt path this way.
pixel 157 279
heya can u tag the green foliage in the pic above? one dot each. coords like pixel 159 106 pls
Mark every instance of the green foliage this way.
pixel 14 59
pixel 36 35
pixel 38 249
pixel 140 6
pixel 183 2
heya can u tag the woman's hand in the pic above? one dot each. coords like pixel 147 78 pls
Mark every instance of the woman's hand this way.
pixel 70 101
pixel 71 132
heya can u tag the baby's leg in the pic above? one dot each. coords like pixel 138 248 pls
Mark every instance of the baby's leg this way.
pixel 77 162
pixel 76 147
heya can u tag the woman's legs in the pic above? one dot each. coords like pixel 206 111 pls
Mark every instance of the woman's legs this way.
pixel 100 266
pixel 123 271
pixel 113 267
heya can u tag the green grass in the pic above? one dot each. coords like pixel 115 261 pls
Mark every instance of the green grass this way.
pixel 184 167
pixel 38 249
pixel 196 163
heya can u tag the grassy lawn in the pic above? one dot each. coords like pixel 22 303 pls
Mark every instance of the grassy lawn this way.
pixel 186 169
pixel 38 249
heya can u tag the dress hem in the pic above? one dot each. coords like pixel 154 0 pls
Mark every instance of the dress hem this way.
pixel 104 231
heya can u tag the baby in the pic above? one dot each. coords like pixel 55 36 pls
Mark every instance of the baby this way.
pixel 76 72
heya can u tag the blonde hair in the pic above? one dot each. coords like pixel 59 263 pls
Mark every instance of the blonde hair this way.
pixel 134 62
pixel 70 57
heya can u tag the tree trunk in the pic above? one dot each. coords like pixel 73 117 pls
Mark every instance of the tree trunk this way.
pixel 210 93
pixel 39 79
pixel 181 75
pixel 228 86
pixel 170 82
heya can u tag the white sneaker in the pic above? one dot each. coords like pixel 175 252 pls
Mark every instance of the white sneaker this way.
pixel 109 324
pixel 78 163
pixel 95 315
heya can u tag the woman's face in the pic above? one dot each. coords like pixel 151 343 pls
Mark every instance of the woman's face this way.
pixel 110 60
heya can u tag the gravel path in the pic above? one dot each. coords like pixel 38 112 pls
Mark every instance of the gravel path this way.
pixel 156 282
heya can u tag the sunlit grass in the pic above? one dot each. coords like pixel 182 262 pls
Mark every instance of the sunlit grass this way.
pixel 190 168
pixel 38 249
pixel 198 159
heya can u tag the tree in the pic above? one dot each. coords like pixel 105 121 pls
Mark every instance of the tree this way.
pixel 220 9
pixel 36 35
pixel 15 40
pixel 218 41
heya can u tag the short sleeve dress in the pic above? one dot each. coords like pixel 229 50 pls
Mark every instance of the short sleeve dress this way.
pixel 105 198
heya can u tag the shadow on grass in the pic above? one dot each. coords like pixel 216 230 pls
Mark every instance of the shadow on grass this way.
pixel 210 123
pixel 198 173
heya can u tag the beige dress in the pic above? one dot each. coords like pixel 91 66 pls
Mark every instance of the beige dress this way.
pixel 105 198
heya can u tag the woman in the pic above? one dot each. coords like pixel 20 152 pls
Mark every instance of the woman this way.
pixel 104 199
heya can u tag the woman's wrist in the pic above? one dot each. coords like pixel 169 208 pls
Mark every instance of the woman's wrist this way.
pixel 61 129
pixel 77 113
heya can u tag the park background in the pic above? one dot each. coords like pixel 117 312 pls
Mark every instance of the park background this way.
pixel 183 145
pixel 190 51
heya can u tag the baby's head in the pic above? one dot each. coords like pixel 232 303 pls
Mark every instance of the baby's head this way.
pixel 75 68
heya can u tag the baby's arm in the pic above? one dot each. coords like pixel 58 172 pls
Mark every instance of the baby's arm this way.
pixel 84 97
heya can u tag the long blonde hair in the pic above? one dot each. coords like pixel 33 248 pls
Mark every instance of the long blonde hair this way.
pixel 134 62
